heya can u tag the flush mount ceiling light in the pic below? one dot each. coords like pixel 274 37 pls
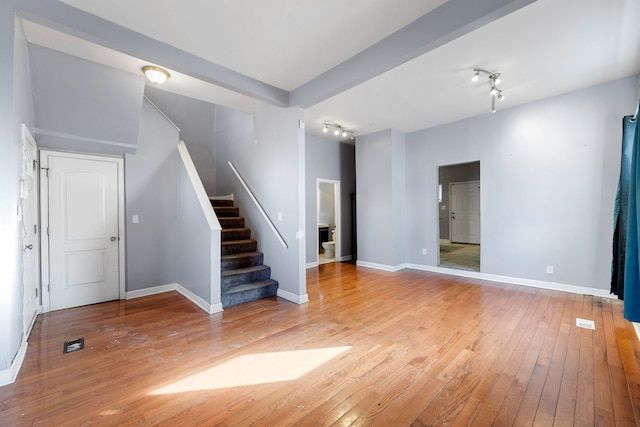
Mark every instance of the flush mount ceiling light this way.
pixel 494 81
pixel 338 130
pixel 155 74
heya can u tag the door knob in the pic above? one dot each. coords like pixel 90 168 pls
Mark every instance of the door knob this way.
pixel 28 246
pixel 113 238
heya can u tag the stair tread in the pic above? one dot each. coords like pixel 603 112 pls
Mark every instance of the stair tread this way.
pixel 235 229
pixel 244 270
pixel 240 255
pixel 229 242
pixel 252 285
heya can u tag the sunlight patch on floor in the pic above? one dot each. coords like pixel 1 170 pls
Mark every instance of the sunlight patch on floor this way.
pixel 254 369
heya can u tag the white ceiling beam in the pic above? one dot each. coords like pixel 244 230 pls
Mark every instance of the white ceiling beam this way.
pixel 434 29
pixel 67 19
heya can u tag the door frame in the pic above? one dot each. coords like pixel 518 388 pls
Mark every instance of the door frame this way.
pixel 337 214
pixel 44 219
pixel 28 322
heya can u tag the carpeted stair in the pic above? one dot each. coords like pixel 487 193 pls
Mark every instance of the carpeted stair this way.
pixel 244 277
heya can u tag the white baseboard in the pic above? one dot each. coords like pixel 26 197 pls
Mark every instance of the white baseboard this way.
pixel 383 267
pixel 8 376
pixel 445 241
pixel 298 299
pixel 209 308
pixel 151 291
pixel 584 290
pixel 346 258
pixel 312 264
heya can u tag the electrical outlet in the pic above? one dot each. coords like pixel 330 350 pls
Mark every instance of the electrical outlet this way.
pixel 424 251
pixel 549 269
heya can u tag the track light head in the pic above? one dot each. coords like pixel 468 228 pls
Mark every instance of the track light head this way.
pixel 494 81
pixel 325 129
pixel 336 132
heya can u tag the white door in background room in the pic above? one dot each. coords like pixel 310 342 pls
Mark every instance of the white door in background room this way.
pixel 82 210
pixel 29 206
pixel 465 212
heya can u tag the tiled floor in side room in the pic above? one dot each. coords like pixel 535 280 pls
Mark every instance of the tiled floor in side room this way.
pixel 460 256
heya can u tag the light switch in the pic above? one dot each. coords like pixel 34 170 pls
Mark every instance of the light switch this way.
pixel 279 216
pixel 135 219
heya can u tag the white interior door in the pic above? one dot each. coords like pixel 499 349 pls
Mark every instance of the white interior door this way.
pixel 465 212
pixel 29 206
pixel 83 230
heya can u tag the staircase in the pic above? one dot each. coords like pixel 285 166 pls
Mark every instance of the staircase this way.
pixel 244 277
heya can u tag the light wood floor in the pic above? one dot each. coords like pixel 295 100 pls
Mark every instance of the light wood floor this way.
pixel 371 348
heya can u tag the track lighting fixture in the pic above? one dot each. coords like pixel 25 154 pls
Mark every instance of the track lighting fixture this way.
pixel 337 130
pixel 494 81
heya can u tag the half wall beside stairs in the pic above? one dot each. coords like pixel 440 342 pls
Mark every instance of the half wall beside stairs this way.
pixel 198 239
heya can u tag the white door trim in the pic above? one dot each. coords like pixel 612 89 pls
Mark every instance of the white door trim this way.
pixel 337 214
pixel 44 219
pixel 28 316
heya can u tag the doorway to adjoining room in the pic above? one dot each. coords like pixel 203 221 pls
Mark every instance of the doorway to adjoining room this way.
pixel 328 215
pixel 459 216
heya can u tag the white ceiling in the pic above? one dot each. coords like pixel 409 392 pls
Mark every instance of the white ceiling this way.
pixel 281 42
pixel 544 49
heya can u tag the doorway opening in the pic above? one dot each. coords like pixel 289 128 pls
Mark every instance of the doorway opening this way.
pixel 459 216
pixel 328 220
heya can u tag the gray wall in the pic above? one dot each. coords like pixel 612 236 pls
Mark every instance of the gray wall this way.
pixel 195 119
pixel 549 176
pixel 84 106
pixel 381 198
pixel 453 173
pixel 267 148
pixel 328 159
pixel 15 108
pixel 151 192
